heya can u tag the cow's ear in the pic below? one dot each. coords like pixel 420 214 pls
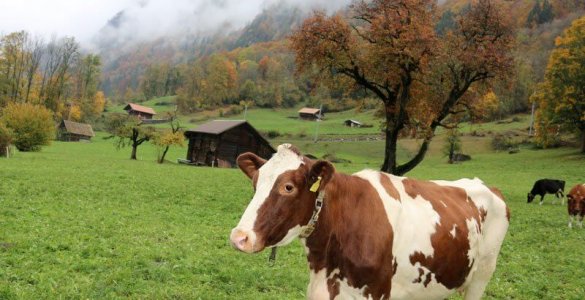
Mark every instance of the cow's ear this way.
pixel 320 174
pixel 249 163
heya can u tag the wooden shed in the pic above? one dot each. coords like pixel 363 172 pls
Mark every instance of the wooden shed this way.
pixel 218 143
pixel 352 123
pixel 307 113
pixel 69 131
pixel 143 112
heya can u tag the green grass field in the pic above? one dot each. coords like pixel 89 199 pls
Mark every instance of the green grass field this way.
pixel 81 220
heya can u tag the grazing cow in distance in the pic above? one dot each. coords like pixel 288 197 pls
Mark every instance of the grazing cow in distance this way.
pixel 547 186
pixel 372 234
pixel 576 204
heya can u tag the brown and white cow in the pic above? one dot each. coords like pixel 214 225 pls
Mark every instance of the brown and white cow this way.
pixel 576 204
pixel 376 236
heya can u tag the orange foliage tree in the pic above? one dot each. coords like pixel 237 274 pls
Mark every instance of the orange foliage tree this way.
pixel 390 49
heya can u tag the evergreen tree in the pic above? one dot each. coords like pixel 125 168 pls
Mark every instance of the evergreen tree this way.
pixel 534 14
pixel 546 13
pixel 446 23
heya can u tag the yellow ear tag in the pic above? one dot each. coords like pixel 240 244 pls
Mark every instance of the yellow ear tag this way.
pixel 316 185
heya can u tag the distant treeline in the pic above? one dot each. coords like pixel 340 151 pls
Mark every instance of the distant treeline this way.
pixel 55 74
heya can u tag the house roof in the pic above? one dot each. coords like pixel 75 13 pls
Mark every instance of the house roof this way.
pixel 140 108
pixel 308 110
pixel 217 126
pixel 78 128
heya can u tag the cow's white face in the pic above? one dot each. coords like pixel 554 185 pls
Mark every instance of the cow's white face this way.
pixel 282 204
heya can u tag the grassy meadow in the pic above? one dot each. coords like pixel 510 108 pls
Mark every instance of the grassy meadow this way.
pixel 81 220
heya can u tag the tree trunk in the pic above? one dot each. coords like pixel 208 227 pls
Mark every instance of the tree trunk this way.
pixel 162 157
pixel 451 151
pixel 583 141
pixel 133 155
pixel 389 165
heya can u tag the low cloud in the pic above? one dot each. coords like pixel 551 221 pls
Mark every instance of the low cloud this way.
pixel 151 19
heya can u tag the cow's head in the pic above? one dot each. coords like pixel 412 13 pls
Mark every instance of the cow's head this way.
pixel 530 197
pixel 576 204
pixel 283 203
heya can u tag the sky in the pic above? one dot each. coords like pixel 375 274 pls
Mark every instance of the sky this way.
pixel 83 19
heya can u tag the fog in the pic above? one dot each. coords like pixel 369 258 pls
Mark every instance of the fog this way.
pixel 133 20
pixel 150 19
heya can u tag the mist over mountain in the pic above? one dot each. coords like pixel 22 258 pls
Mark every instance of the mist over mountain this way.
pixel 151 31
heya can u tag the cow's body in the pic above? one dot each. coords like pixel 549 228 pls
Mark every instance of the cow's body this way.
pixel 547 186
pixel 576 204
pixel 379 236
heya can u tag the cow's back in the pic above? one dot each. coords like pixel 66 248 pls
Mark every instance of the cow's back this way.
pixel 439 227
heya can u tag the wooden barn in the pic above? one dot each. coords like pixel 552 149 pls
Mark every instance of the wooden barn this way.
pixel 307 113
pixel 69 131
pixel 218 143
pixel 142 112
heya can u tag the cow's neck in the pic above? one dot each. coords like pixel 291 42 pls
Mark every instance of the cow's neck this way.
pixel 345 228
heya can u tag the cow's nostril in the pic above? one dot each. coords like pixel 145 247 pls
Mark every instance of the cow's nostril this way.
pixel 242 241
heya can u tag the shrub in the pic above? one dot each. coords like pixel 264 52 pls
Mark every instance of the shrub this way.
pixel 273 134
pixel 503 142
pixel 452 145
pixel 32 125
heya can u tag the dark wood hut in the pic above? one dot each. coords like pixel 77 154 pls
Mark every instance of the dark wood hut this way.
pixel 312 114
pixel 69 131
pixel 352 123
pixel 218 143
pixel 142 112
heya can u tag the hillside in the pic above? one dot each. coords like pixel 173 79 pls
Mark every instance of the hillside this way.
pixel 520 9
pixel 254 62
pixel 125 62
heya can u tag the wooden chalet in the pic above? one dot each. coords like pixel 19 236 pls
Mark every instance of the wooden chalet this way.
pixel 307 113
pixel 69 131
pixel 352 123
pixel 218 143
pixel 142 112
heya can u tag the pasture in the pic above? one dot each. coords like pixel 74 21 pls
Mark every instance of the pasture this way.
pixel 80 220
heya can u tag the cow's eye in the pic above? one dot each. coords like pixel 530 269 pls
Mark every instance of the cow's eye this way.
pixel 289 188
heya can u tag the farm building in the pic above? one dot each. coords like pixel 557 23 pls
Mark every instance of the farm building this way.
pixel 352 123
pixel 69 131
pixel 307 113
pixel 218 143
pixel 142 112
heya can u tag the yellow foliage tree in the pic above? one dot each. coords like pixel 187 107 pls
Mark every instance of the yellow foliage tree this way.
pixel 99 102
pixel 75 113
pixel 561 98
pixel 164 140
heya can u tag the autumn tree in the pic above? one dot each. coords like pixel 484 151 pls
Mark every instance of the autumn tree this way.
pixel 61 55
pixel 14 56
pixel 160 80
pixel 128 131
pixel 390 49
pixel 220 84
pixel 167 138
pixel 561 97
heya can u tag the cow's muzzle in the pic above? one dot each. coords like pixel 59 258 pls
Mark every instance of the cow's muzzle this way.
pixel 244 241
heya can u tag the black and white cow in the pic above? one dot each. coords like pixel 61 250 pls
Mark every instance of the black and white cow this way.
pixel 547 186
